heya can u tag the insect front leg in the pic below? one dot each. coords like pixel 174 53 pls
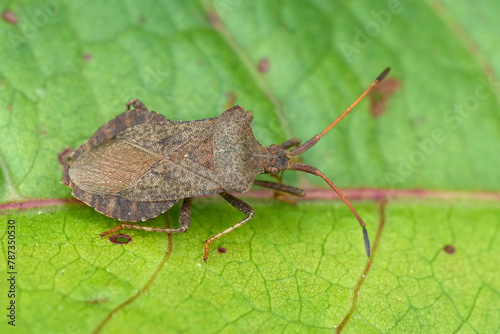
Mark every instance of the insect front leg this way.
pixel 137 104
pixel 184 223
pixel 293 142
pixel 280 188
pixel 242 207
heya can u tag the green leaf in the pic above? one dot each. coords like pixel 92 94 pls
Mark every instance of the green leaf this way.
pixel 288 270
pixel 67 67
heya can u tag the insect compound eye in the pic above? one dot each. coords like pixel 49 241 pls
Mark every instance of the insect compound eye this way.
pixel 274 170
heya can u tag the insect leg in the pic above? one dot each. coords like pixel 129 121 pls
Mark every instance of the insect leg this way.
pixel 138 105
pixel 280 187
pixel 231 98
pixel 184 216
pixel 292 142
pixel 184 223
pixel 238 204
pixel 65 156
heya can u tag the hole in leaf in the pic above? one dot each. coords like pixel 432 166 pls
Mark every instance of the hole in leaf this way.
pixel 120 239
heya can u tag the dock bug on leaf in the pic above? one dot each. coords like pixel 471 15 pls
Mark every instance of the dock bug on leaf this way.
pixel 139 164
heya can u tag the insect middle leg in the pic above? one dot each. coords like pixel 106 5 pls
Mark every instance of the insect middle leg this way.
pixel 280 187
pixel 238 204
pixel 184 223
pixel 292 142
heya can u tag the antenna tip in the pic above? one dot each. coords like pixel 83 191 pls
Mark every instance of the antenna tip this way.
pixel 383 74
pixel 367 242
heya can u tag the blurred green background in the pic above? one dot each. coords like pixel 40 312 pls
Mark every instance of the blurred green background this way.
pixel 69 66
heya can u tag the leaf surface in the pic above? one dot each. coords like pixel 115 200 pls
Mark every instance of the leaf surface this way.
pixel 67 67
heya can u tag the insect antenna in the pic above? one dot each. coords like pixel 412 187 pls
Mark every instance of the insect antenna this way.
pixel 315 171
pixel 310 143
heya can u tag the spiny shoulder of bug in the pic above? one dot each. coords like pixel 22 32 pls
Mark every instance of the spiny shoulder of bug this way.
pixel 274 158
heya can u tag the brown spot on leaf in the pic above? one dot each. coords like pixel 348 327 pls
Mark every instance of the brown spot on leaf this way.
pixel 120 239
pixel 87 57
pixel 449 249
pixel 65 156
pixel 213 18
pixel 42 130
pixel 142 19
pixel 263 66
pixel 221 250
pixel 97 300
pixel 10 16
pixel 380 94
pixel 9 107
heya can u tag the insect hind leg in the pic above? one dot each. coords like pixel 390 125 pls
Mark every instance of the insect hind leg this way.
pixel 184 223
pixel 242 207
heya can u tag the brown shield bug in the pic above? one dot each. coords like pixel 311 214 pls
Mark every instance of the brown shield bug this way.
pixel 139 164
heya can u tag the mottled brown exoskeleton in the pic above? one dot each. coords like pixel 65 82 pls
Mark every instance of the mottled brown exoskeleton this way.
pixel 139 165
